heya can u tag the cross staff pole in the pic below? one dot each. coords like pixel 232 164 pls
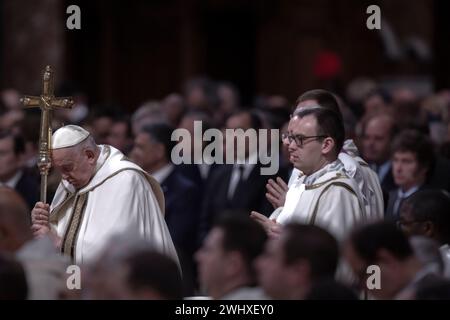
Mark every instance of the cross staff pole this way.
pixel 46 102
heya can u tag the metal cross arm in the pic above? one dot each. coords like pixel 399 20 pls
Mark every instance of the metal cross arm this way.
pixel 46 102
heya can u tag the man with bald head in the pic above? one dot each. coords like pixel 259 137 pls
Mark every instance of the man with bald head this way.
pixel 378 133
pixel 101 194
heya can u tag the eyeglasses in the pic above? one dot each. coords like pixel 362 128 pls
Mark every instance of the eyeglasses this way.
pixel 403 223
pixel 299 140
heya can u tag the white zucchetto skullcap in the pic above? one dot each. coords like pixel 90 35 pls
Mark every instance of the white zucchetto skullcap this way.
pixel 68 136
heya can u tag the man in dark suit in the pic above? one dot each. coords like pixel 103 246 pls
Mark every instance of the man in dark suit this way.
pixel 12 170
pixel 412 160
pixel 152 150
pixel 237 187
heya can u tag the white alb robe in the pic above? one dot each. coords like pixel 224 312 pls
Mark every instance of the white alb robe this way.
pixel 120 198
pixel 333 202
pixel 365 178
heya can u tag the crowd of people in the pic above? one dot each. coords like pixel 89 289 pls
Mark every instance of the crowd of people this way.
pixel 358 208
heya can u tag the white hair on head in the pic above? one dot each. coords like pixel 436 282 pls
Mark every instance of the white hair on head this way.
pixel 87 144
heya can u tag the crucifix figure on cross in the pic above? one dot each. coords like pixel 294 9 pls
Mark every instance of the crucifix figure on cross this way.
pixel 46 102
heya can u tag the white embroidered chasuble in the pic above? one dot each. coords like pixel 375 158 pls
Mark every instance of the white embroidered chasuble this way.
pixel 120 198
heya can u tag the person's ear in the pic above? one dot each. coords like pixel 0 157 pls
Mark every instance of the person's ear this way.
pixel 4 238
pixel 423 171
pixel 90 154
pixel 235 262
pixel 299 272
pixel 21 160
pixel 3 233
pixel 328 145
pixel 428 228
pixel 385 258
pixel 160 150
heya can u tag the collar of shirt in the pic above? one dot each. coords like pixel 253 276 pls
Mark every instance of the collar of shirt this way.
pixel 204 169
pixel 101 158
pixel 407 193
pixel 161 174
pixel 13 181
pixel 333 166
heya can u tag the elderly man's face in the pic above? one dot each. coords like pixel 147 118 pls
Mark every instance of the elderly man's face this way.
pixel 147 153
pixel 377 140
pixel 241 121
pixel 75 167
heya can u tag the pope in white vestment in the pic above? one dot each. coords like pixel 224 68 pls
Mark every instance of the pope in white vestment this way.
pixel 119 198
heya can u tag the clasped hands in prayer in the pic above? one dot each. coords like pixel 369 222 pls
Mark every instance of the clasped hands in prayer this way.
pixel 276 194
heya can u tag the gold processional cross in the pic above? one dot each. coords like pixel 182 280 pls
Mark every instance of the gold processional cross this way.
pixel 47 102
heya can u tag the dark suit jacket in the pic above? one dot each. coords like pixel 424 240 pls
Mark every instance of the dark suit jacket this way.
pixel 192 173
pixel 28 188
pixel 440 176
pixel 387 185
pixel 183 203
pixel 250 195
pixel 393 196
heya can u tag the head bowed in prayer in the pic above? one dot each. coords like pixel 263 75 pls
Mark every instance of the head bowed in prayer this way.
pixel 74 154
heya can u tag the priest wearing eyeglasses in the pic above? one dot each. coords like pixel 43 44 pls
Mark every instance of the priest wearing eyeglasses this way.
pixel 322 194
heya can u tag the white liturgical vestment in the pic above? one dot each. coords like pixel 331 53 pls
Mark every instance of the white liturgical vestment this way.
pixel 328 198
pixel 120 198
pixel 365 178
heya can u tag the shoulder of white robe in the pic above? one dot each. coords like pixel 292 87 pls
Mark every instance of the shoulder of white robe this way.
pixel 157 190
